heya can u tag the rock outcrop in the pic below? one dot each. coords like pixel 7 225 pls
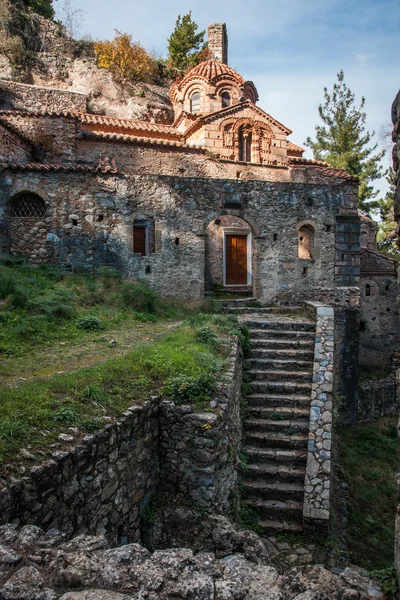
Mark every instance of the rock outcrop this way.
pixel 35 565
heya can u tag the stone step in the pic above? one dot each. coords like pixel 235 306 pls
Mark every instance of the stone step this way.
pixel 284 344
pixel 268 425
pixel 271 527
pixel 279 334
pixel 287 325
pixel 258 455
pixel 262 363
pixel 297 354
pixel 276 440
pixel 279 376
pixel 278 400
pixel 256 490
pixel 278 510
pixel 275 472
pixel 279 387
pixel 278 413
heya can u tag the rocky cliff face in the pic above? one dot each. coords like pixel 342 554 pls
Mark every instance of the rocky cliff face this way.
pixel 65 64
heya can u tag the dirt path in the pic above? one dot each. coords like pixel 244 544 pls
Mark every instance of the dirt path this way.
pixel 66 356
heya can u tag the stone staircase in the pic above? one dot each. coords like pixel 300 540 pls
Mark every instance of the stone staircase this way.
pixel 276 425
pixel 277 421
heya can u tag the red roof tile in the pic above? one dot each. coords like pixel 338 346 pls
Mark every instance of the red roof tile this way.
pixel 294 147
pixel 65 168
pixel 322 167
pixel 122 137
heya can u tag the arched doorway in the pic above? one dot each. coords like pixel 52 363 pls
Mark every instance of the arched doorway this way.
pixel 229 262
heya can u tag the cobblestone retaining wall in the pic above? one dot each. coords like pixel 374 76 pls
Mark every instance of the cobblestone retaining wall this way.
pixel 99 486
pixel 318 470
pixel 199 451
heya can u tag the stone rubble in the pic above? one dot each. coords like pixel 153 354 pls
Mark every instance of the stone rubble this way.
pixel 85 568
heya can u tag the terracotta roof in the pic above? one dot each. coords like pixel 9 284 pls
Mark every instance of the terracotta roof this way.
pixel 322 167
pixel 65 168
pixel 211 69
pixel 294 147
pixel 128 124
pixel 121 137
pixel 132 124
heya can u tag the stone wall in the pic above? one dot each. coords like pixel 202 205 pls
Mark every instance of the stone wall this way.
pixel 379 320
pixel 99 486
pixel 53 137
pixel 396 153
pixel 377 399
pixel 199 450
pixel 32 97
pixel 317 481
pixel 12 147
pixel 91 216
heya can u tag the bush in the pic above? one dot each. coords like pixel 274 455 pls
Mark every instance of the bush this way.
pixel 7 285
pixel 57 305
pixel 185 388
pixel 207 336
pixel 90 322
pixel 127 60
pixel 138 297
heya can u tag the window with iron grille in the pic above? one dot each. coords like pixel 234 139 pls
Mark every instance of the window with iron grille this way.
pixel 27 204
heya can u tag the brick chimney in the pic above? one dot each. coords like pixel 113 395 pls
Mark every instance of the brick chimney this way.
pixel 218 42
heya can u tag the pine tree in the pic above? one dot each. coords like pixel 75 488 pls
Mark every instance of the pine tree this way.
pixel 343 141
pixel 184 44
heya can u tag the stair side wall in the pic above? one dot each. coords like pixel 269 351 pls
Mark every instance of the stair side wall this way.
pixel 317 486
pixel 199 450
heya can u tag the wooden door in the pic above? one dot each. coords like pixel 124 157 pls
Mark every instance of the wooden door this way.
pixel 139 240
pixel 236 260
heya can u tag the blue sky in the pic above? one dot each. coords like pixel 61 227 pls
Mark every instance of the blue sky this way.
pixel 290 49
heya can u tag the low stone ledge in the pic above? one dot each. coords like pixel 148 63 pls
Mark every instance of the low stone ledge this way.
pixel 317 484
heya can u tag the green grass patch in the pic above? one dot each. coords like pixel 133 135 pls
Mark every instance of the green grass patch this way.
pixel 369 456
pixel 43 304
pixel 36 412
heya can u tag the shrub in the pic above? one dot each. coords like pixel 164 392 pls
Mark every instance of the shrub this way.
pixel 57 305
pixel 127 60
pixel 207 336
pixel 89 322
pixel 7 285
pixel 185 388
pixel 138 297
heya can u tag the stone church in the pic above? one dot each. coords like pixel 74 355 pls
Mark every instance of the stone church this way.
pixel 221 198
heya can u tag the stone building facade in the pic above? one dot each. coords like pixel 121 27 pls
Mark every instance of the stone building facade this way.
pixel 220 198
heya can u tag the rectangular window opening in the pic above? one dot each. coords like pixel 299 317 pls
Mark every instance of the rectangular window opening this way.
pixel 74 222
pixel 148 270
pixel 140 240
pixel 176 241
pixel 100 218
pixel 275 237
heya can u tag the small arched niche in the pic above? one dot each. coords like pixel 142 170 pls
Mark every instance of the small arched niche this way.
pixel 305 242
pixel 27 226
pixel 143 235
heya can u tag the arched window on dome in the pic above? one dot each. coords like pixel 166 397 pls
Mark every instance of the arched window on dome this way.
pixel 226 99
pixel 195 101
pixel 245 139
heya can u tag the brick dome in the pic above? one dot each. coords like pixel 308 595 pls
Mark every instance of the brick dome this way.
pixel 212 70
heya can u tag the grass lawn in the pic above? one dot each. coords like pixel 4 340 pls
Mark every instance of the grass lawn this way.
pixel 369 455
pixel 59 369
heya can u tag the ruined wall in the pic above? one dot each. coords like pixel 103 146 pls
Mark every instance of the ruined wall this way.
pixel 396 153
pixel 99 486
pixel 379 320
pixel 12 147
pixel 377 399
pixel 32 97
pixel 199 450
pixel 92 217
pixel 53 137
